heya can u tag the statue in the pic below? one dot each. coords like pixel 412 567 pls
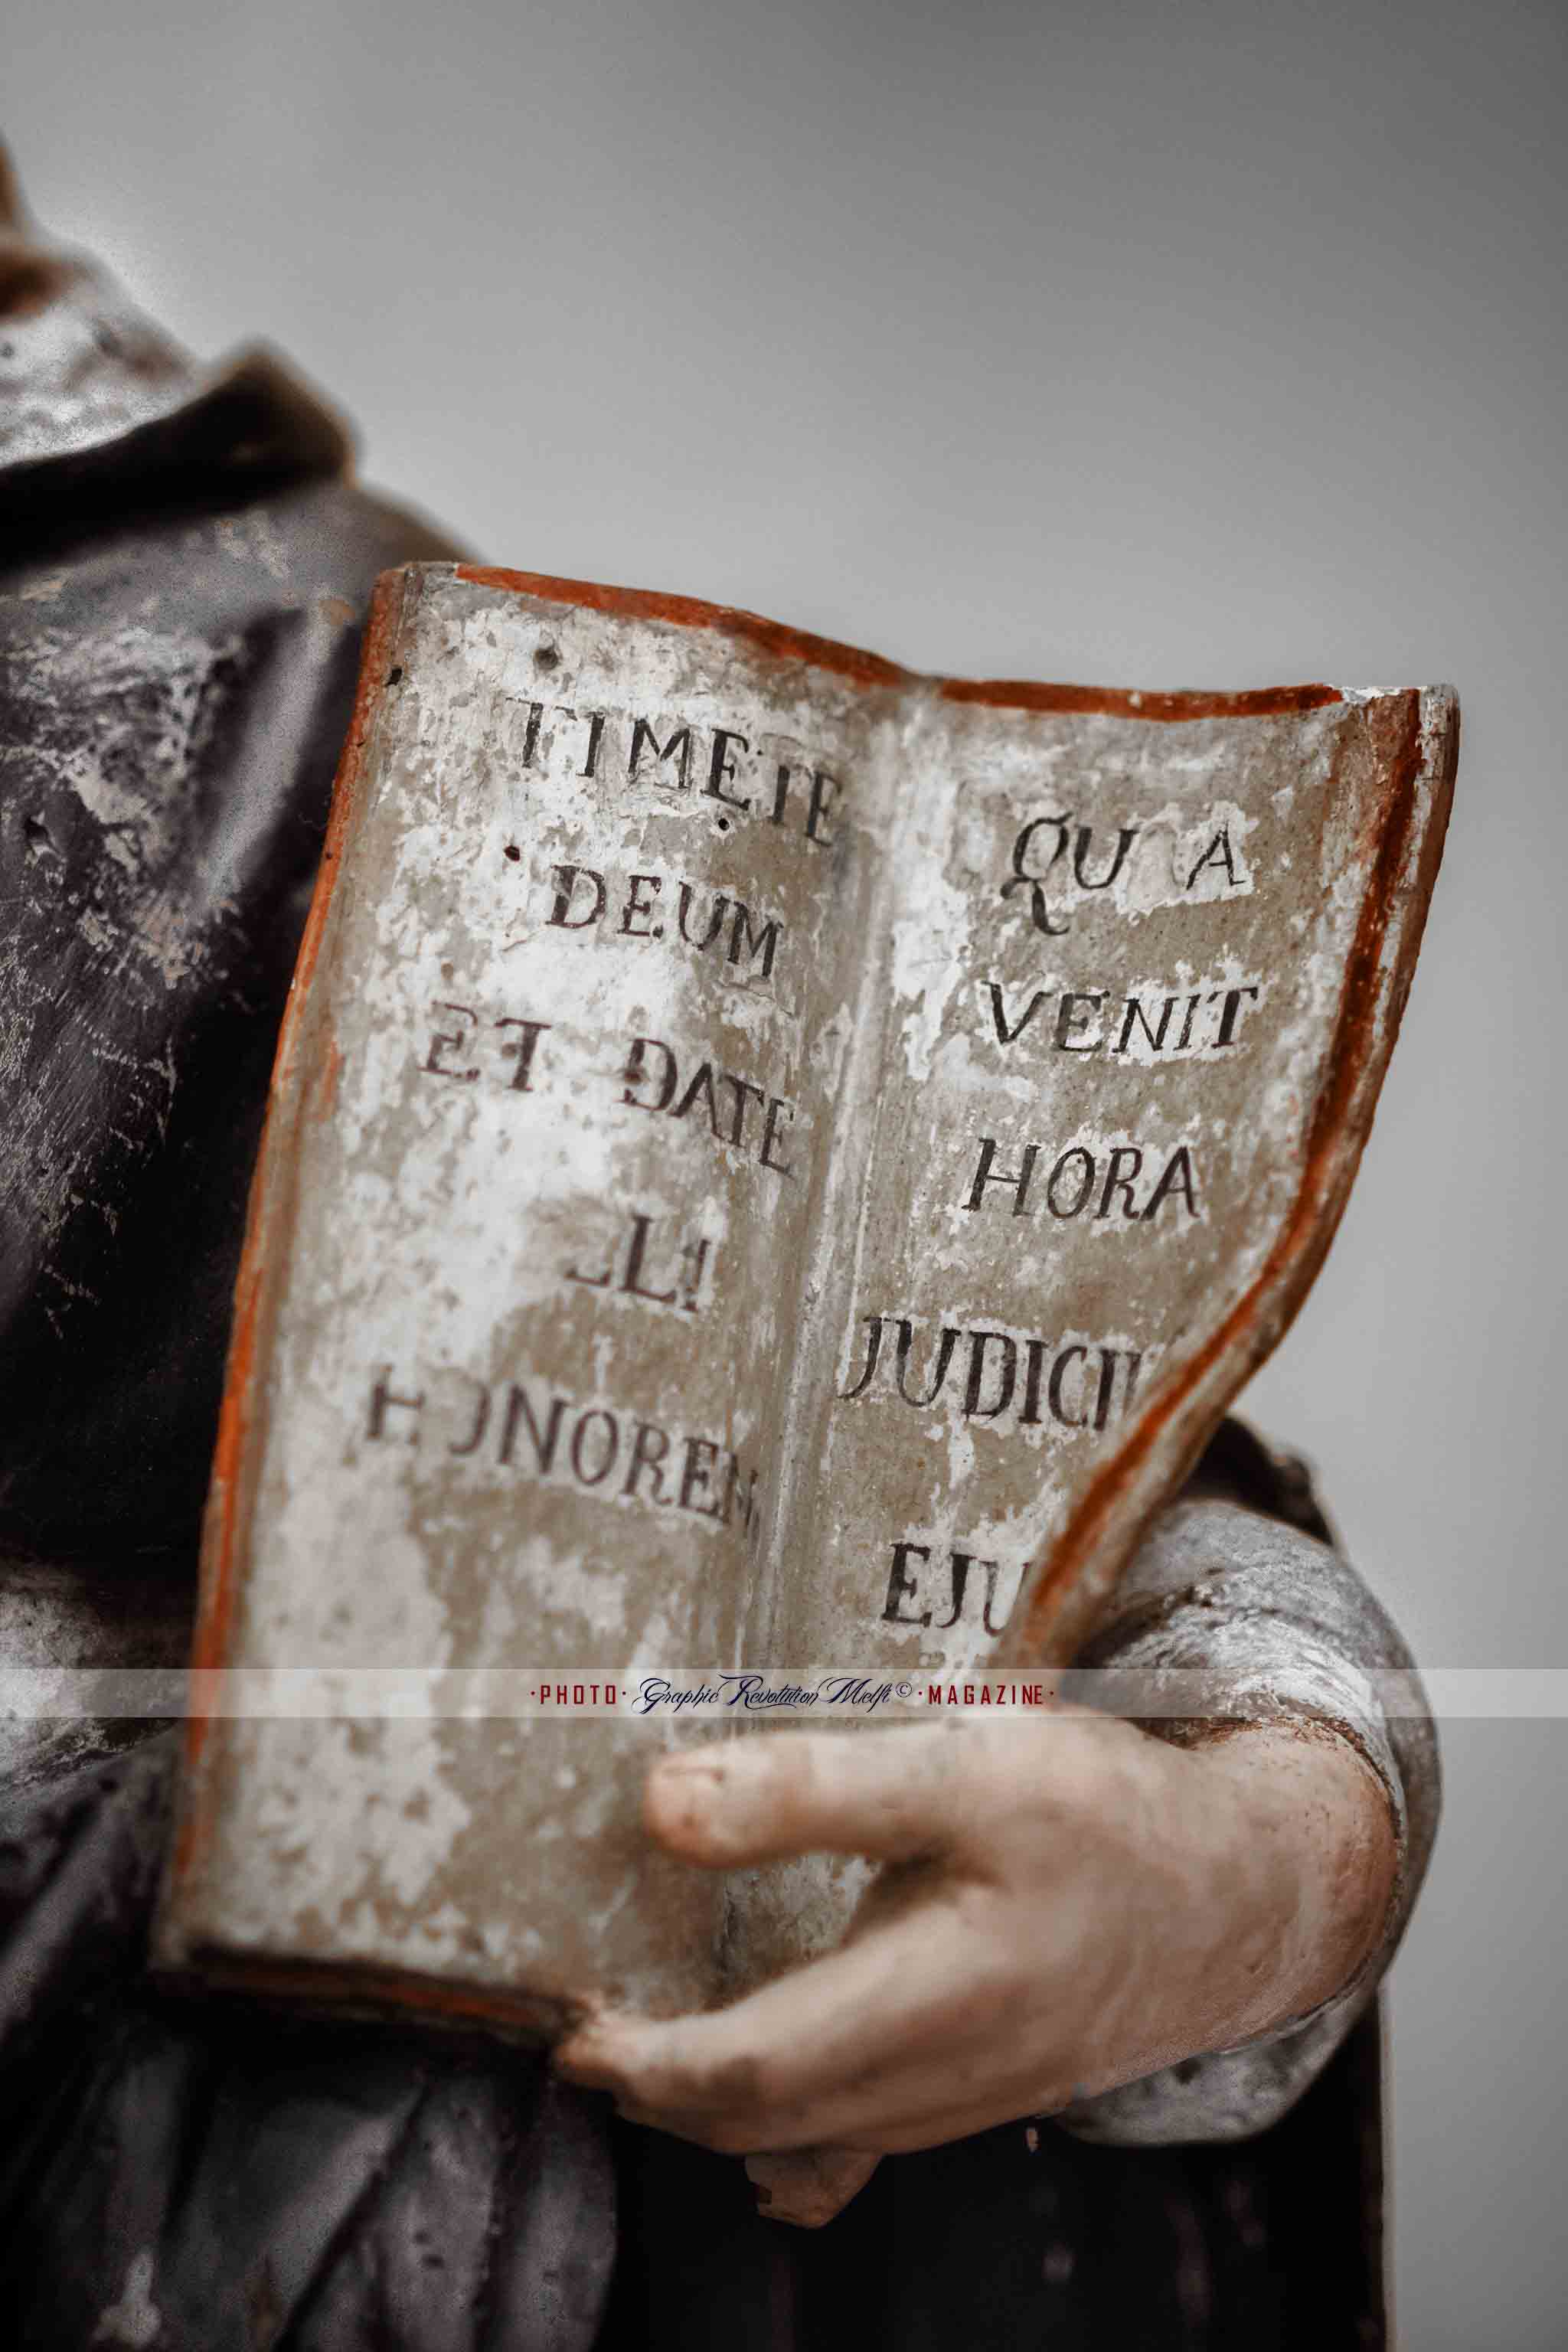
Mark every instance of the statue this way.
pixel 1077 1918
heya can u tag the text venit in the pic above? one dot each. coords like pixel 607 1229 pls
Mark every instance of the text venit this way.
pixel 1148 1027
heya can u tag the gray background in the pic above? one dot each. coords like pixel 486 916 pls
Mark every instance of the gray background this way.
pixel 1146 345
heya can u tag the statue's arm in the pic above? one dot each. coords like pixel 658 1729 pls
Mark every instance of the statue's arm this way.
pixel 1270 1626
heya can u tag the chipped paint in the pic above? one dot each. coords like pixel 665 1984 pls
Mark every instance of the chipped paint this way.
pixel 135 2320
pixel 1059 1169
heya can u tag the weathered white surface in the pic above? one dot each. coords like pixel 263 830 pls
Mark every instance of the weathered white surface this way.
pixel 437 1224
pixel 1154 1301
pixel 475 1438
pixel 1128 1273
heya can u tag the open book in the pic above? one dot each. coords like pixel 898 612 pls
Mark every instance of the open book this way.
pixel 773 1160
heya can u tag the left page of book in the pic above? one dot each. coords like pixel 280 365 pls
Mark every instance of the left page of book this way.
pixel 551 1112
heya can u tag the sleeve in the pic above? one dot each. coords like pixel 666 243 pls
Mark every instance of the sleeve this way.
pixel 1239 1590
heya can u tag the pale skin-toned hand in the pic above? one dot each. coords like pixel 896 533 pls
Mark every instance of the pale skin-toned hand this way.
pixel 1067 1905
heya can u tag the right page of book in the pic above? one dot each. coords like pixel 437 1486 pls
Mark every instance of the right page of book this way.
pixel 1139 962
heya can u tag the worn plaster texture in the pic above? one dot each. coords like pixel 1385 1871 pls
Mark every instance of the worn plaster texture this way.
pixel 772 1159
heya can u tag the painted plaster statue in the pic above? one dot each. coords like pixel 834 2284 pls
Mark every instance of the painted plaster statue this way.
pixel 1108 2025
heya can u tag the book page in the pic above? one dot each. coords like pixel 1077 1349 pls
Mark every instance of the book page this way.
pixel 561 1102
pixel 1137 966
pixel 1139 961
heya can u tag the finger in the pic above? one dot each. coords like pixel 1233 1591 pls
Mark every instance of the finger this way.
pixel 937 2086
pixel 823 2045
pixel 885 2028
pixel 942 2074
pixel 808 2186
pixel 929 2105
pixel 918 2113
pixel 889 1793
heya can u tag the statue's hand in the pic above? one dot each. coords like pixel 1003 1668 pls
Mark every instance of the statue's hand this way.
pixel 1069 1903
